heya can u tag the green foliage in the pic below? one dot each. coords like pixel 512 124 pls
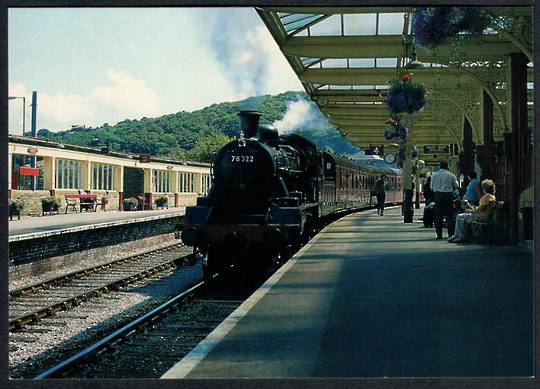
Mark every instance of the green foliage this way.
pixel 161 200
pixel 130 204
pixel 50 200
pixel 207 146
pixel 194 135
pixel 15 205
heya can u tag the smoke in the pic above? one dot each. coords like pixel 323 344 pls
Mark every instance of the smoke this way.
pixel 305 119
pixel 301 114
pixel 242 53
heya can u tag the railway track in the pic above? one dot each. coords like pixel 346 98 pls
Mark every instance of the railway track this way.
pixel 32 303
pixel 148 346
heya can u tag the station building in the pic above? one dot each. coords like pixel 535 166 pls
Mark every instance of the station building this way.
pixel 40 168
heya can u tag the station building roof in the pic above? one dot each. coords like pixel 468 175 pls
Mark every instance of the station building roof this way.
pixel 45 148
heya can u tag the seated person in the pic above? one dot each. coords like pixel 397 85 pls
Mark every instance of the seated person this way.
pixel 482 213
pixel 473 191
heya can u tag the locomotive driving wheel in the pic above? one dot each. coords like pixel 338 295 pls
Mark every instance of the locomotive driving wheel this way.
pixel 210 264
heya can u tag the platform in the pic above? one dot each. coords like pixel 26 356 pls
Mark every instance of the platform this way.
pixel 373 297
pixel 34 225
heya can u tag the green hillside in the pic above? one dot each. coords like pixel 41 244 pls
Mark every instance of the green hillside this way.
pixel 196 135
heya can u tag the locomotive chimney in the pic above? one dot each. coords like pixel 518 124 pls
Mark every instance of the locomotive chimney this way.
pixel 249 122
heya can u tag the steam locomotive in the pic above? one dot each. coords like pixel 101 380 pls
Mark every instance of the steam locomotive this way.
pixel 270 192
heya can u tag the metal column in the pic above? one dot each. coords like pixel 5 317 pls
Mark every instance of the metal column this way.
pixel 518 111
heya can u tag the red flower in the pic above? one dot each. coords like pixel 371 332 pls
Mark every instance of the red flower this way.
pixel 405 77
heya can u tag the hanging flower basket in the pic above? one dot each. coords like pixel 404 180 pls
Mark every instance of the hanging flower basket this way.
pixel 396 130
pixel 433 26
pixel 406 95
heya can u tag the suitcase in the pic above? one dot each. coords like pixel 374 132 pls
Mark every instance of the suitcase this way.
pixel 429 216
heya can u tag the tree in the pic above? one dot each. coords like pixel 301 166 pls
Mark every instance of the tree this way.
pixel 206 147
pixel 197 135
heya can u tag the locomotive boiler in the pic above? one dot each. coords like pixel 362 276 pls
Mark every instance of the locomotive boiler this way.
pixel 269 193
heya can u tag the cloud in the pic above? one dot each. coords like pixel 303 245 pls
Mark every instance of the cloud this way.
pixel 122 97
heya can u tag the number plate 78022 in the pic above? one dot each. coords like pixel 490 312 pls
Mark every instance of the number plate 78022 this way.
pixel 242 158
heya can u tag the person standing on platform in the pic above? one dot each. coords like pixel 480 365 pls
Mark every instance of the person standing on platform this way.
pixel 380 192
pixel 443 184
pixel 428 193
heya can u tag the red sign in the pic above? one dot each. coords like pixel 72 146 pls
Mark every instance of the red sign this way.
pixel 28 171
pixel 32 150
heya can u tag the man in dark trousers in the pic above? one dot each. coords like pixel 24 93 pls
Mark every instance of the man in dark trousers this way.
pixel 380 192
pixel 443 183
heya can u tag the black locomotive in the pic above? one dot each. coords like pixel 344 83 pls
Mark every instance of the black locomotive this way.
pixel 270 192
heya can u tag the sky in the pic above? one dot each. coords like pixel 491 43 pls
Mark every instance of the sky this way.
pixel 92 66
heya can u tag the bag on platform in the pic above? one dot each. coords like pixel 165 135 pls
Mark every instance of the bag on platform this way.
pixel 429 215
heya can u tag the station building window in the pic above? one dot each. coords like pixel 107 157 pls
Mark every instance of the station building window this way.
pixel 162 180
pixel 186 182
pixel 205 183
pixel 69 174
pixel 24 176
pixel 103 176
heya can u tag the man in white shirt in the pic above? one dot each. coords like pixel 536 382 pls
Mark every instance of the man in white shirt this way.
pixel 443 184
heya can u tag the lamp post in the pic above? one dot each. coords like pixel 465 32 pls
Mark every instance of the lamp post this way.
pixel 407 207
pixel 23 110
pixel 417 183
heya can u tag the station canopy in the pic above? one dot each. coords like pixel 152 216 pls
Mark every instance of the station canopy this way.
pixel 345 58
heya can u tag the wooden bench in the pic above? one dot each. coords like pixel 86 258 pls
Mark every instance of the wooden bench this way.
pixel 492 231
pixel 86 202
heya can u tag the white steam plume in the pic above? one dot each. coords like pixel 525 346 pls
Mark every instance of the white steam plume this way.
pixel 299 114
pixel 241 52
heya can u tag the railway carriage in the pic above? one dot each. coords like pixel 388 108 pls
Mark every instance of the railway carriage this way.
pixel 270 192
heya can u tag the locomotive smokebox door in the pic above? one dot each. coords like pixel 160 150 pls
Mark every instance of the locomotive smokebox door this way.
pixel 249 122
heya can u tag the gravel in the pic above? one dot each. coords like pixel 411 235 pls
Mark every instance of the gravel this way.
pixel 58 337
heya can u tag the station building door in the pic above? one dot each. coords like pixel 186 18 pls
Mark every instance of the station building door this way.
pixel 133 182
